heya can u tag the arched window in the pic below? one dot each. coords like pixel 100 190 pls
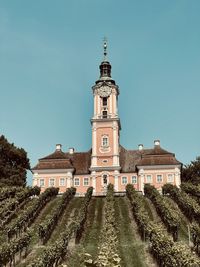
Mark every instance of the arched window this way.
pixel 104 101
pixel 105 179
pixel 105 141
pixel 104 113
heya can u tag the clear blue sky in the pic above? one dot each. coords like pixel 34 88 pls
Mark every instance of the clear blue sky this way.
pixel 49 58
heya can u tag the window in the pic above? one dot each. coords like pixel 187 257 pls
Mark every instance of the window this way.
pixel 170 178
pixel 104 113
pixel 62 181
pixel 41 182
pixel 104 101
pixel 148 179
pixel 124 180
pixel 76 182
pixel 51 182
pixel 159 179
pixel 105 179
pixel 105 141
pixel 86 181
pixel 134 180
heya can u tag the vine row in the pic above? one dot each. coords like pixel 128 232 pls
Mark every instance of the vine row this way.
pixel 166 252
pixel 8 192
pixel 187 204
pixel 55 253
pixel 195 231
pixel 8 206
pixel 45 228
pixel 168 215
pixel 108 254
pixel 27 216
pixel 8 251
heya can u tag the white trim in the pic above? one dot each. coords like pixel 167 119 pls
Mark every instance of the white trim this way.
pixel 63 171
pixel 116 182
pixel 159 182
pixel 149 182
pixel 103 137
pixel 50 182
pixel 62 178
pixel 77 178
pixel 122 180
pixel 84 181
pixel 172 176
pixel 135 179
pixel 41 179
pixel 94 183
pixel 152 167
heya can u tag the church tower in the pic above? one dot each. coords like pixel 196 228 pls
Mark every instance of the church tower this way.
pixel 105 127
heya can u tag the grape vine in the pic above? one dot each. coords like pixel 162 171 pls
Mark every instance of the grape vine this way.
pixel 168 215
pixel 27 217
pixel 54 254
pixel 45 228
pixel 166 252
pixel 188 205
pixel 108 254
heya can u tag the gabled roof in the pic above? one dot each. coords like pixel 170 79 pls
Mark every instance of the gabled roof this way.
pixel 130 159
pixel 79 161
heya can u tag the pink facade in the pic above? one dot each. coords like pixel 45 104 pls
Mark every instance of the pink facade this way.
pixel 107 161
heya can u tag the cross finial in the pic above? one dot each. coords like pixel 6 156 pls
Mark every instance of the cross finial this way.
pixel 105 48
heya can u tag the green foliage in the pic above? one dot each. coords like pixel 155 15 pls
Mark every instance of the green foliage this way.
pixel 9 250
pixel 191 172
pixel 8 207
pixel 191 189
pixel 13 164
pixel 188 205
pixel 53 254
pixel 108 252
pixel 195 231
pixel 168 215
pixel 46 227
pixel 166 252
pixel 20 225
pixel 8 192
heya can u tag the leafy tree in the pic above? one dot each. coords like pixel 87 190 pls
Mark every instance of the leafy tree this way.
pixel 191 172
pixel 13 164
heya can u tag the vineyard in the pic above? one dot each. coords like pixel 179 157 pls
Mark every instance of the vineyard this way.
pixel 151 230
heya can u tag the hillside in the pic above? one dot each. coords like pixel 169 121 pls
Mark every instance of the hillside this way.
pixel 130 230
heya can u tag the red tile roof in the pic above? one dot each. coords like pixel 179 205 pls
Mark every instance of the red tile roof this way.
pixel 129 160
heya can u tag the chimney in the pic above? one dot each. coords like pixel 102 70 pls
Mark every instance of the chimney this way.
pixel 58 147
pixel 156 143
pixel 140 147
pixel 71 150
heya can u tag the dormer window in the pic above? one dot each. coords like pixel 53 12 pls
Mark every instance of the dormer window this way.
pixel 105 101
pixel 105 114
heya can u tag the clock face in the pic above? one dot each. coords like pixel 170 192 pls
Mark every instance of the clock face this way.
pixel 104 91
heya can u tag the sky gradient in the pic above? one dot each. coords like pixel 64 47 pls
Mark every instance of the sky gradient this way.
pixel 50 53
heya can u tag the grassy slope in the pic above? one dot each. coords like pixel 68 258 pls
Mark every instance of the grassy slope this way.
pixel 65 219
pixel 90 240
pixel 131 248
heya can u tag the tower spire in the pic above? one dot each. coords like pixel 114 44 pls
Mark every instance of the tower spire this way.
pixel 105 67
pixel 105 44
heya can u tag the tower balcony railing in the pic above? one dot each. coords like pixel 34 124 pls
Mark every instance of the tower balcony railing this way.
pixel 108 116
